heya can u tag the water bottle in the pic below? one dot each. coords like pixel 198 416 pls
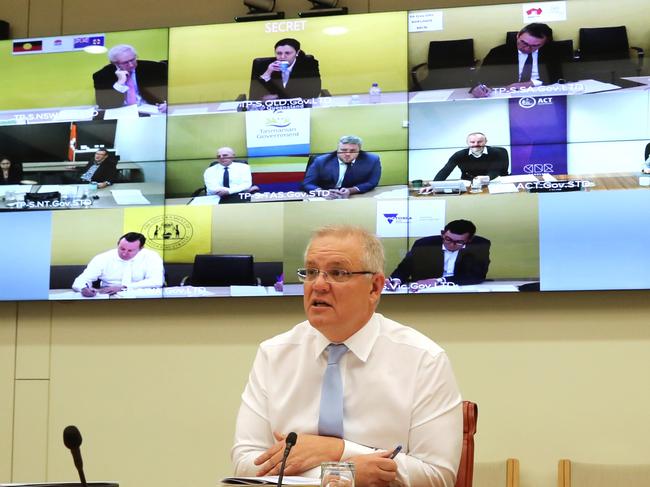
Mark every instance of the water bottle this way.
pixel 92 190
pixel 375 93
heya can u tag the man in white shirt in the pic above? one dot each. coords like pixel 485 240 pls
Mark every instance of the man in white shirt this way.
pixel 395 385
pixel 129 266
pixel 228 178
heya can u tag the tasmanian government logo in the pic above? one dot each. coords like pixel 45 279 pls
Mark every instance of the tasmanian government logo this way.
pixel 168 232
pixel 394 217
pixel 546 168
pixel 278 119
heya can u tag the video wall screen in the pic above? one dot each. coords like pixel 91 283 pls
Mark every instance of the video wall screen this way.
pixel 196 161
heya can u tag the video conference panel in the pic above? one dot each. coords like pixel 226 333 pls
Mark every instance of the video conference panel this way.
pixel 129 136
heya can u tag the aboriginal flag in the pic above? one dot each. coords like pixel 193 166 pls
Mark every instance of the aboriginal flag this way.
pixel 28 46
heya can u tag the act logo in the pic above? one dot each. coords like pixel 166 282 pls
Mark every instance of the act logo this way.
pixel 527 102
pixel 546 168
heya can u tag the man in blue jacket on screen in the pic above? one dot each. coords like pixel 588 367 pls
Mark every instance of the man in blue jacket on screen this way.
pixel 344 172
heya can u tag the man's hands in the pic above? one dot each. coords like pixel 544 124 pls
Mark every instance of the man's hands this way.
pixel 480 91
pixel 375 469
pixel 122 76
pixel 89 292
pixel 309 452
pixel 341 193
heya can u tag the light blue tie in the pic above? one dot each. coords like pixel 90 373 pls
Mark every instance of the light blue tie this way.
pixel 330 421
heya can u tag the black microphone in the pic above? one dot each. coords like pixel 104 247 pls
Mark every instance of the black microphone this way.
pixel 72 439
pixel 289 441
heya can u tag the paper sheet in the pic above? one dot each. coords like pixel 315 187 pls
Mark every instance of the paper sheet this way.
pixel 501 188
pixel 432 95
pixel 205 200
pixel 271 480
pixel 129 111
pixel 399 193
pixel 516 178
pixel 16 188
pixel 61 188
pixel 129 197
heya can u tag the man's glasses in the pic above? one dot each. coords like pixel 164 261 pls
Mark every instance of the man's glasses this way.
pixel 452 241
pixel 333 275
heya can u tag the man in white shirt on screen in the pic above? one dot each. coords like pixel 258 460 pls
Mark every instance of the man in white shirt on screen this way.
pixel 228 178
pixel 129 266
pixel 351 383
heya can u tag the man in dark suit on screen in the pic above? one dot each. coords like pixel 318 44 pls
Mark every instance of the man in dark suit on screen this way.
pixel 291 74
pixel 456 256
pixel 344 172
pixel 129 81
pixel 532 60
pixel 478 159
pixel 102 169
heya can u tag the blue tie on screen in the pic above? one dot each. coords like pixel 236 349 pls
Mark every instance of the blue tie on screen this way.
pixel 330 421
pixel 226 178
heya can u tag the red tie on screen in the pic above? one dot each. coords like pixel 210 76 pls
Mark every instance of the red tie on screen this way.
pixel 131 97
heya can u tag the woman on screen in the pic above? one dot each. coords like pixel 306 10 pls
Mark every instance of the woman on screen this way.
pixel 10 172
pixel 290 74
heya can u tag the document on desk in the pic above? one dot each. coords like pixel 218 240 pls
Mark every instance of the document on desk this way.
pixel 434 95
pixel 516 178
pixel 48 188
pixel 62 294
pixel 128 111
pixel 501 188
pixel 399 193
pixel 15 188
pixel 129 197
pixel 213 199
pixel 270 480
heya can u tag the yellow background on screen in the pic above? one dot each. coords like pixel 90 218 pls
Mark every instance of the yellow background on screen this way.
pixel 213 62
pixel 65 79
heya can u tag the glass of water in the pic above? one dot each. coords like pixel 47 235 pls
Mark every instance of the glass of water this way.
pixel 337 474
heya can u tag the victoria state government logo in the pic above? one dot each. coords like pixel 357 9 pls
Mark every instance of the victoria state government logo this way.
pixel 168 232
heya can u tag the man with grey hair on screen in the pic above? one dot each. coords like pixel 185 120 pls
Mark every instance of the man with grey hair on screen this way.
pixel 351 383
pixel 129 81
pixel 345 172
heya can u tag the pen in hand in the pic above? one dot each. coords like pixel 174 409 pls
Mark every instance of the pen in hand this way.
pixel 394 453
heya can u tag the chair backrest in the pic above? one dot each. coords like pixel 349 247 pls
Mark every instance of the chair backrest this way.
pixel 223 270
pixel 576 474
pixel 497 474
pixel 603 43
pixel 4 30
pixel 455 53
pixel 466 467
pixel 647 151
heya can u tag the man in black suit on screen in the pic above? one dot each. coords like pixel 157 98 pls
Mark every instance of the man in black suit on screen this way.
pixel 532 60
pixel 129 81
pixel 291 74
pixel 457 255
